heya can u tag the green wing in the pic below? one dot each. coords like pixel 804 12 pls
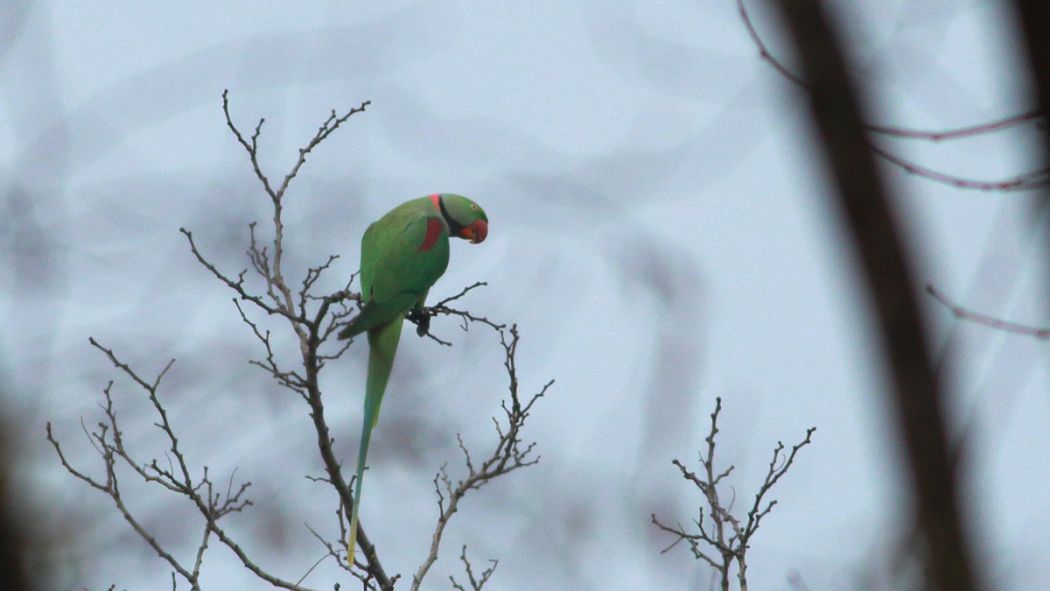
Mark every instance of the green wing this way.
pixel 396 272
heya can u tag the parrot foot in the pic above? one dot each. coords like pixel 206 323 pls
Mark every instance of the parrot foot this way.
pixel 421 319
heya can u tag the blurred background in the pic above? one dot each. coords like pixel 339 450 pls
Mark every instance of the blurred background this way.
pixel 660 232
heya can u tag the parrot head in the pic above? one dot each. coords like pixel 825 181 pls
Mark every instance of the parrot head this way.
pixel 465 218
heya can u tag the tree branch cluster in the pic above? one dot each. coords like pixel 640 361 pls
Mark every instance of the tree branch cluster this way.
pixel 507 455
pixel 313 319
pixel 211 501
pixel 722 539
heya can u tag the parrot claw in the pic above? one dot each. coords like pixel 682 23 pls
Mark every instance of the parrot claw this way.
pixel 422 321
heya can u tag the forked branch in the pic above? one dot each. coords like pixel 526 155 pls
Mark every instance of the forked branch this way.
pixel 721 538
pixel 506 455
pixel 312 319
pixel 176 477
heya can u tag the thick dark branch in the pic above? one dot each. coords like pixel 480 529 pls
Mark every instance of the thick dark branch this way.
pixel 1035 25
pixel 324 443
pixel 311 332
pixel 865 205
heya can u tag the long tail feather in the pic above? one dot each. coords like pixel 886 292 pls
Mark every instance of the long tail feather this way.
pixel 382 343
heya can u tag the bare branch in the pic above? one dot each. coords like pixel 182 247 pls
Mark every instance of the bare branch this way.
pixel 252 147
pixel 313 319
pixel 1028 181
pixel 865 203
pixel 990 321
pixel 507 455
pixel 475 583
pixel 776 471
pixel 211 505
pixel 983 128
pixel 311 328
pixel 1034 179
pixel 238 285
pixel 729 538
pixel 421 318
pixel 692 539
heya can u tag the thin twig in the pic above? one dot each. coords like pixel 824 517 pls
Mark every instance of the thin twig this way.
pixel 476 583
pixel 984 320
pixel 200 492
pixel 421 319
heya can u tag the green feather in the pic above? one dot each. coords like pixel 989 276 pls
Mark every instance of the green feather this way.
pixel 382 342
pixel 402 255
pixel 395 273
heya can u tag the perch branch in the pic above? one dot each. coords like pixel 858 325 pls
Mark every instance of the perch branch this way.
pixel 506 455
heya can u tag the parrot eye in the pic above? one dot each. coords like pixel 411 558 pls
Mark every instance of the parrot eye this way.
pixel 474 206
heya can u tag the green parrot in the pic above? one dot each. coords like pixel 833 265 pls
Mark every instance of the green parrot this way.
pixel 402 255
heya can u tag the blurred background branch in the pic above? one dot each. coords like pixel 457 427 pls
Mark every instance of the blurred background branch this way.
pixel 1025 181
pixel 864 202
pixel 964 313
pixel 1035 34
pixel 15 539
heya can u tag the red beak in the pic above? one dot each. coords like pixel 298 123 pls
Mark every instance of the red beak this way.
pixel 475 232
